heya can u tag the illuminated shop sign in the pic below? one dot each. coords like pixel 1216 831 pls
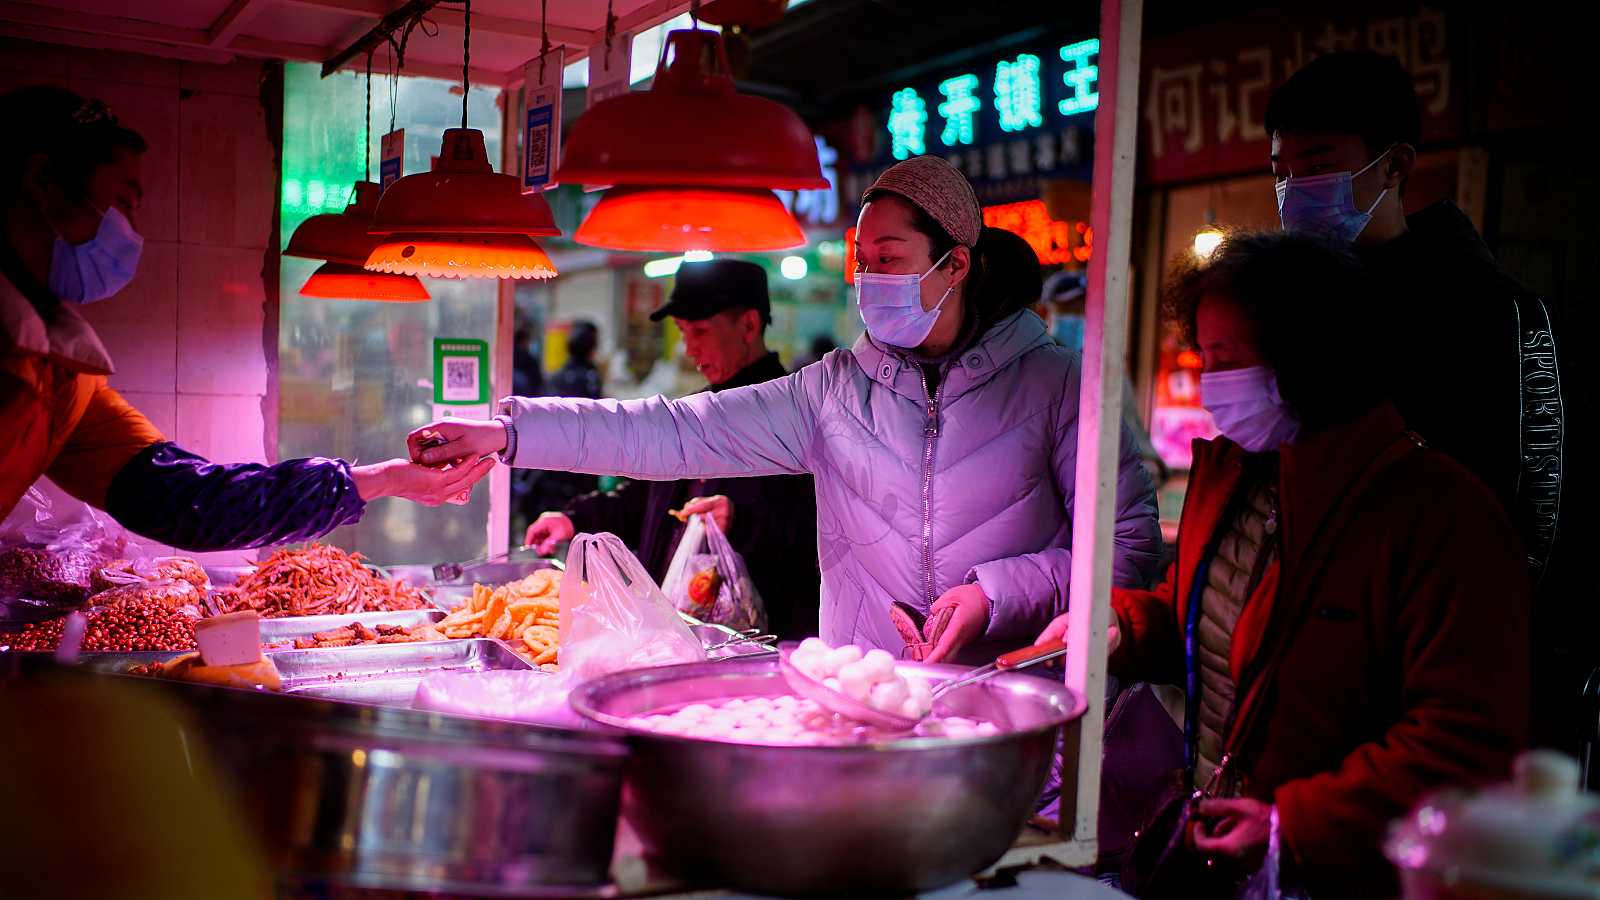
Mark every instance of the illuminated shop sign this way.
pixel 1015 95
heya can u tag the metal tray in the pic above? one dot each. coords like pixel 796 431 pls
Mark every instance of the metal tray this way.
pixel 286 629
pixel 386 674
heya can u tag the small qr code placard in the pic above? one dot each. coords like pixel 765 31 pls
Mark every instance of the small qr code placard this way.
pixel 539 151
pixel 461 378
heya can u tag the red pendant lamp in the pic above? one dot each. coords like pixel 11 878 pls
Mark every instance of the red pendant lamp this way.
pixel 462 219
pixel 678 218
pixel 342 281
pixel 694 161
pixel 342 240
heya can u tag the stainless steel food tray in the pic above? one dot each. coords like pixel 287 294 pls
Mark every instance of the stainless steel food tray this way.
pixel 386 674
pixel 286 629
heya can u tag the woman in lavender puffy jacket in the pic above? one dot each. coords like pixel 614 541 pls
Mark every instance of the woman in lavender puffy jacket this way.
pixel 943 443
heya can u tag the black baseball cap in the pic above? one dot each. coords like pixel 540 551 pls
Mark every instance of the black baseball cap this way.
pixel 704 289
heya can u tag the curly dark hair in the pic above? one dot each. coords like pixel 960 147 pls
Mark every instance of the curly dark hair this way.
pixel 1313 311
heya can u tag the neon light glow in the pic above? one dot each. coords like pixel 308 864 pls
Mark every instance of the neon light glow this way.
pixel 959 109
pixel 1083 79
pixel 1056 242
pixel 908 124
pixel 1018 93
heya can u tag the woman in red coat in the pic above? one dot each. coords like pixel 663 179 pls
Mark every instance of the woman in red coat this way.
pixel 1348 609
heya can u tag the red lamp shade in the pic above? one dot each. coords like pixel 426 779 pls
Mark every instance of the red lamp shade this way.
pixel 462 220
pixel 462 256
pixel 339 237
pixel 679 218
pixel 341 281
pixel 691 128
pixel 462 195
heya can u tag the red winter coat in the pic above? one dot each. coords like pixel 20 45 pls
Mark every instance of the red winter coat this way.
pixel 1408 665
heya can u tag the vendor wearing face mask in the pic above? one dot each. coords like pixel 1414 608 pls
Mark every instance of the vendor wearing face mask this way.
pixel 68 237
pixel 943 444
pixel 1347 610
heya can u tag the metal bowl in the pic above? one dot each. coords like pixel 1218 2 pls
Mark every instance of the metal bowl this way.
pixel 901 816
pixel 400 799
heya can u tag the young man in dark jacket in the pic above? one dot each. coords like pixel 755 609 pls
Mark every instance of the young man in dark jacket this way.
pixel 1472 350
pixel 723 310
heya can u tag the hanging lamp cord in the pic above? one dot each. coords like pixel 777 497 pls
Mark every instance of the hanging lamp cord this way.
pixel 611 32
pixel 544 35
pixel 466 59
pixel 366 137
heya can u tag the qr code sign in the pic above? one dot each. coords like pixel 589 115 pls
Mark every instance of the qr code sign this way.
pixel 538 151
pixel 461 378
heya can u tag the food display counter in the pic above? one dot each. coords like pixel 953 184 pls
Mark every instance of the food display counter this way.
pixel 346 782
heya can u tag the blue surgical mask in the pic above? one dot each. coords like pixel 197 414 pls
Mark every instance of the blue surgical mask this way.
pixel 94 270
pixel 891 306
pixel 1326 204
pixel 1248 409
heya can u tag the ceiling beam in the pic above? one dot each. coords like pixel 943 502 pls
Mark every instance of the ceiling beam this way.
pixel 46 35
pixel 376 9
pixel 233 19
pixel 559 34
pixel 115 26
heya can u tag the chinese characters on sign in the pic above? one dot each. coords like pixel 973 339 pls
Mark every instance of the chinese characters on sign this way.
pixel 818 207
pixel 1082 78
pixel 959 109
pixel 908 125
pixel 1203 110
pixel 1020 86
pixel 1018 93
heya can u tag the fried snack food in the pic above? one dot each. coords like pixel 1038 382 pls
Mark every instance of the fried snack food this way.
pixel 315 581
pixel 356 633
pixel 190 667
pixel 525 614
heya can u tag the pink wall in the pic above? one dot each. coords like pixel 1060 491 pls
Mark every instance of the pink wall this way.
pixel 193 337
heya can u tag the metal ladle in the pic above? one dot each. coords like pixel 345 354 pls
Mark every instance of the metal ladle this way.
pixel 851 708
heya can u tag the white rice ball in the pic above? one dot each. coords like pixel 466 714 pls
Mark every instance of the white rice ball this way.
pixel 889 696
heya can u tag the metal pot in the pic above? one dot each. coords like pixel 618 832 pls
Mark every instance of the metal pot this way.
pixel 401 799
pixel 902 816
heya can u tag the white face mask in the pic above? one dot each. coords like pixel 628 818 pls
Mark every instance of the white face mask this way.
pixel 98 268
pixel 1247 408
pixel 891 306
pixel 1326 204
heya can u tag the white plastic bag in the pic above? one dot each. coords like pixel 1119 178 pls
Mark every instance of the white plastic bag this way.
pixel 725 596
pixel 48 554
pixel 613 617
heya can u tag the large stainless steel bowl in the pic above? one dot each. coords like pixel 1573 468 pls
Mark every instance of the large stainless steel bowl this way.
pixel 893 817
pixel 400 799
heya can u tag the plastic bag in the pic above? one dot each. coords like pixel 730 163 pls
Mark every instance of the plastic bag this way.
pixel 539 698
pixel 708 579
pixel 48 555
pixel 613 617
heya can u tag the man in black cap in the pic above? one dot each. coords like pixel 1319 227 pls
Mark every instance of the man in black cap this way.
pixel 722 309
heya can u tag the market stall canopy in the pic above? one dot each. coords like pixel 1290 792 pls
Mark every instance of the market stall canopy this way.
pixel 505 33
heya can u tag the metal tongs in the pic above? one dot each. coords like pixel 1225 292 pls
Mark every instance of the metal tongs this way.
pixel 454 571
pixel 747 636
pixel 851 708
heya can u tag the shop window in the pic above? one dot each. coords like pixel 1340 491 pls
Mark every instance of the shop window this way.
pixel 353 376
